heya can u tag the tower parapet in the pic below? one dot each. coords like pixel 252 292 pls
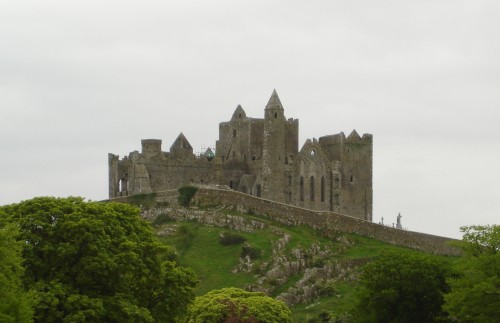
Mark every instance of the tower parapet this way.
pixel 151 147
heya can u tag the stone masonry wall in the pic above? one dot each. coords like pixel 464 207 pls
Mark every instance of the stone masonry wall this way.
pixel 326 222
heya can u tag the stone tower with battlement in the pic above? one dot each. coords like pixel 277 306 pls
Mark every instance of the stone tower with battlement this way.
pixel 260 157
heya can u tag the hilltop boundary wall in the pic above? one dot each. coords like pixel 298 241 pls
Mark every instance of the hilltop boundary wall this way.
pixel 326 222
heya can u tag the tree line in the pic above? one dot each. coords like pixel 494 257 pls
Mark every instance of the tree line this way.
pixel 71 260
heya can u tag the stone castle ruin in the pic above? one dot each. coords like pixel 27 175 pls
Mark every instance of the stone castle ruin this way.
pixel 260 157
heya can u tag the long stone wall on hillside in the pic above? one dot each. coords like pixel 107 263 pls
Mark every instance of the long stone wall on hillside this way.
pixel 326 222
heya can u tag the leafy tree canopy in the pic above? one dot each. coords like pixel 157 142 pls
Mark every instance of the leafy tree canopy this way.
pixel 475 294
pixel 14 301
pixel 99 262
pixel 237 305
pixel 403 287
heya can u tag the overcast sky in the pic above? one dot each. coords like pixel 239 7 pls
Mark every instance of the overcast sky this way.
pixel 81 79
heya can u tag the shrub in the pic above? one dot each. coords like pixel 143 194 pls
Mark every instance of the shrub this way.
pixel 250 251
pixel 143 200
pixel 229 238
pixel 184 238
pixel 186 193
pixel 162 218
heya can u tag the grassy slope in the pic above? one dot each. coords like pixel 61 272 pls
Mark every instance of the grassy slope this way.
pixel 198 247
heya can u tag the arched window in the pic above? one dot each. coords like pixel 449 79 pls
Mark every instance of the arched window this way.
pixel 331 191
pixel 322 188
pixel 301 188
pixel 231 184
pixel 258 190
pixel 312 191
pixel 123 185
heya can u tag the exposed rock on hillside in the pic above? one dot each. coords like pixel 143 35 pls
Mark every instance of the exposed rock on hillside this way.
pixel 314 264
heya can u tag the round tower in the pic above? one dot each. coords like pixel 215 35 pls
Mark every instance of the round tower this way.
pixel 273 167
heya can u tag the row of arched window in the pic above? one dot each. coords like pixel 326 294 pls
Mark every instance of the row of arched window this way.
pixel 312 189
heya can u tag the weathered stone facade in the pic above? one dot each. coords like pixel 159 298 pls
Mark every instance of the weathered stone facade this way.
pixel 260 157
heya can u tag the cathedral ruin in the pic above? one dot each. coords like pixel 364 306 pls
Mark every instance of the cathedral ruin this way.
pixel 260 157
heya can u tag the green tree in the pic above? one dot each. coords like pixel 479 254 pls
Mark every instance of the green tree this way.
pixel 475 292
pixel 402 287
pixel 99 262
pixel 237 305
pixel 15 305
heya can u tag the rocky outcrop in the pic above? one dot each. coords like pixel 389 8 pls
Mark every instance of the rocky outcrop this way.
pixel 318 281
pixel 314 264
pixel 207 217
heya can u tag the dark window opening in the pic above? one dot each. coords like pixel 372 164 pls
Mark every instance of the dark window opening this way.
pixel 234 132
pixel 289 180
pixel 322 188
pixel 231 184
pixel 330 197
pixel 254 158
pixel 258 190
pixel 301 188
pixel 275 115
pixel 351 179
pixel 312 191
pixel 245 158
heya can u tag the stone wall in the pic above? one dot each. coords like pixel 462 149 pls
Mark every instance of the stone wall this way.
pixel 326 222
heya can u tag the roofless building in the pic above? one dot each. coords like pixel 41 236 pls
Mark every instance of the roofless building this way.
pixel 260 157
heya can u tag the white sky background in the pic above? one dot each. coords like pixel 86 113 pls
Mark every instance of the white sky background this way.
pixel 80 79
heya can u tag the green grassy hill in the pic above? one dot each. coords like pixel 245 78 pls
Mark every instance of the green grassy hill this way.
pixel 311 273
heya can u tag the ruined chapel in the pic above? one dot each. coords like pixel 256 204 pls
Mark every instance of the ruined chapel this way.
pixel 260 157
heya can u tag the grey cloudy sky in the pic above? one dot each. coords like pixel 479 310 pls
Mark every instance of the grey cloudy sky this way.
pixel 79 79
